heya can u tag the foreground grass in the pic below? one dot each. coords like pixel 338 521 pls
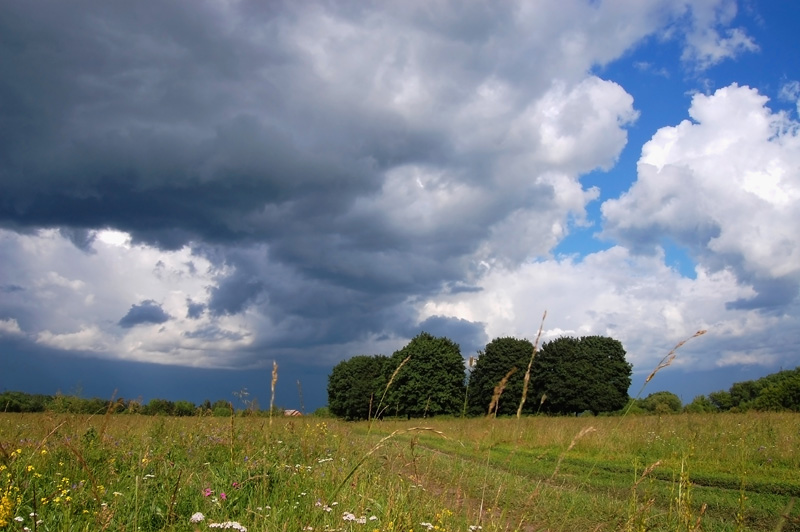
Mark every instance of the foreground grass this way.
pixel 715 472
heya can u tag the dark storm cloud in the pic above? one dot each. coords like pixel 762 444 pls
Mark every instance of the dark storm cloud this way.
pixel 771 295
pixel 233 294
pixel 81 238
pixel 147 311
pixel 470 336
pixel 194 310
pixel 257 135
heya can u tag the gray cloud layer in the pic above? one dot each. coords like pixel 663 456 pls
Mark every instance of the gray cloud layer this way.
pixel 331 166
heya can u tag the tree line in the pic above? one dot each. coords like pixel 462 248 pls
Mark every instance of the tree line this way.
pixel 427 378
pixel 568 375
pixel 15 401
pixel 777 392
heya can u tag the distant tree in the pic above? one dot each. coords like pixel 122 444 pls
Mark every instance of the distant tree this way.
pixel 183 408
pixel 578 375
pixel 221 408
pixel 322 411
pixel 662 403
pixel 355 386
pixel 493 363
pixel 782 394
pixel 23 402
pixel 777 391
pixel 743 394
pixel 700 405
pixel 431 382
pixel 95 405
pixel 159 407
pixel 721 400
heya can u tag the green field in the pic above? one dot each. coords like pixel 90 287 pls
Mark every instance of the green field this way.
pixel 129 472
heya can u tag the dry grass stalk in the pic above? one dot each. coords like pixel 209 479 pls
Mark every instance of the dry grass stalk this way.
pixel 388 385
pixel 667 360
pixel 498 391
pixel 272 397
pixel 112 407
pixel 584 431
pixel 527 378
pixel 649 469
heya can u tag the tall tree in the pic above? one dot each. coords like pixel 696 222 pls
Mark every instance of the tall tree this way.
pixel 431 382
pixel 580 374
pixel 496 360
pixel 355 386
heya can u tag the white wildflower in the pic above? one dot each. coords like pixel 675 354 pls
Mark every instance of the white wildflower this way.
pixel 228 524
pixel 197 517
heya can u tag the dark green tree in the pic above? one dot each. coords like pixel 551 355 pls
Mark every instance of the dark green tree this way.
pixel 431 382
pixel 782 393
pixel 721 400
pixel 22 402
pixel 159 407
pixel 578 375
pixel 662 403
pixel 355 386
pixel 700 405
pixel 221 408
pixel 494 362
pixel 183 408
pixel 777 391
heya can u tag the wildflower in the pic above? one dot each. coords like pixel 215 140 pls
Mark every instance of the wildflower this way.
pixel 208 492
pixel 19 519
pixel 223 496
pixel 429 526
pixel 235 485
pixel 197 517
pixel 44 452
pixel 228 524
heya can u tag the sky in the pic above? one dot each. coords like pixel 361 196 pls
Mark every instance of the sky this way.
pixel 191 192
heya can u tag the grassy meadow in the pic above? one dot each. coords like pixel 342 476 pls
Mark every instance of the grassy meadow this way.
pixel 63 472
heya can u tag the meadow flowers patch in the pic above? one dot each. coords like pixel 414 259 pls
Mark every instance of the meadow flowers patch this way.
pixel 233 525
